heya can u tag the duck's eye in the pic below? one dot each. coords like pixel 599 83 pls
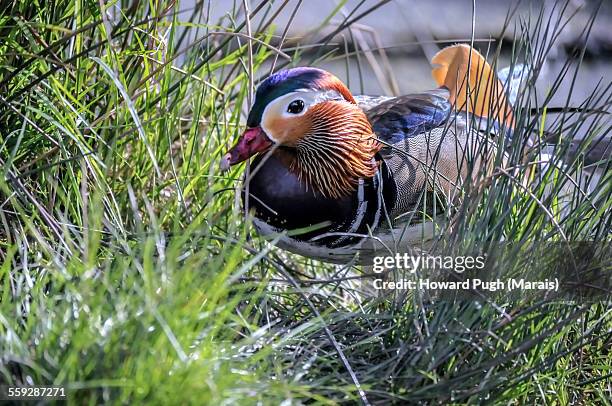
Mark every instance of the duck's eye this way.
pixel 296 106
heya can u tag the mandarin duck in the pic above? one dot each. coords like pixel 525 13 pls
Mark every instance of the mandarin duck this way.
pixel 338 177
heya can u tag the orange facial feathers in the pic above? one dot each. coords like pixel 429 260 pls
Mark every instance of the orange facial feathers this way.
pixel 338 149
pixel 456 65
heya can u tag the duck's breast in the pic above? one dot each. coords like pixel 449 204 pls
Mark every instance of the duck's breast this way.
pixel 286 203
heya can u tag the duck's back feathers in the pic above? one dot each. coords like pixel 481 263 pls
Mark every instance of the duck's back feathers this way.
pixel 426 164
pixel 425 146
pixel 410 115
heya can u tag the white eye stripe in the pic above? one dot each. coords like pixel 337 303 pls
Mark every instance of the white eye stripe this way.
pixel 309 97
pixel 278 107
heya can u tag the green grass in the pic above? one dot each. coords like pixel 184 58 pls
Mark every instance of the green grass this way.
pixel 130 274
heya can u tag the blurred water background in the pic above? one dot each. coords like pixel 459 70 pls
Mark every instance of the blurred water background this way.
pixel 410 32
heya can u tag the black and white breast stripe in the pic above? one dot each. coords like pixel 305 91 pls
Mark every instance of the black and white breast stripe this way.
pixel 283 202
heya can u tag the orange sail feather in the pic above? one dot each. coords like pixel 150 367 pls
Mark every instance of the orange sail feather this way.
pixel 456 65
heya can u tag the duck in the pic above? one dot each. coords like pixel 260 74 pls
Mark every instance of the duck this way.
pixel 340 178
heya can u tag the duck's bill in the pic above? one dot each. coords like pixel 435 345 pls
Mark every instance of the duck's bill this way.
pixel 252 141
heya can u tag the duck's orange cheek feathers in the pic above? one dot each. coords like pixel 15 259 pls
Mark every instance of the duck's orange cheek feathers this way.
pixel 287 131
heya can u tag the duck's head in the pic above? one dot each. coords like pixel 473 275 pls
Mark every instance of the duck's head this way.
pixel 310 117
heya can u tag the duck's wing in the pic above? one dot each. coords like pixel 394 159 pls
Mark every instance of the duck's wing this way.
pixel 428 145
pixel 407 116
pixel 427 151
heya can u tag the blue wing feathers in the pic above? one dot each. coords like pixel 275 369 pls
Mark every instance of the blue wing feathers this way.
pixel 410 115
